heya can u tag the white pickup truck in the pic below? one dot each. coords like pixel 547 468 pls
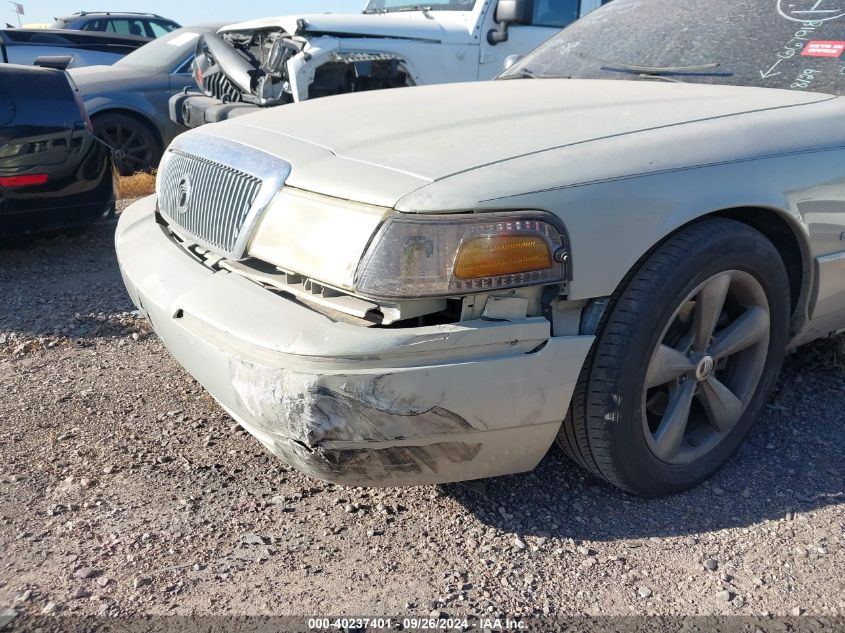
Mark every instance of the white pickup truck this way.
pixel 393 43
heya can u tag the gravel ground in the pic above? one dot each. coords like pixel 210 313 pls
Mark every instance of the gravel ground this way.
pixel 125 490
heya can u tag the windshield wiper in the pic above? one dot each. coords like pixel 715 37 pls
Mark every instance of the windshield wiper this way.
pixel 414 7
pixel 658 70
pixel 655 70
pixel 661 78
pixel 523 73
pixel 527 73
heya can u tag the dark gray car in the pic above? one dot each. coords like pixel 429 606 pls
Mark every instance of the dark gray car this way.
pixel 144 24
pixel 128 101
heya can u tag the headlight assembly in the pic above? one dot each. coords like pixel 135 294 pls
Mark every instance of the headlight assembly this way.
pixel 452 255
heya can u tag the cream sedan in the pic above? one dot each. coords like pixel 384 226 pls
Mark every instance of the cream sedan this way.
pixel 613 245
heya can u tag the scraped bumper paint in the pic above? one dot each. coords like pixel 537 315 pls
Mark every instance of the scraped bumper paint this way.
pixel 354 405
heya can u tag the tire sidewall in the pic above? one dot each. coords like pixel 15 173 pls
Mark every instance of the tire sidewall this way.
pixel 744 250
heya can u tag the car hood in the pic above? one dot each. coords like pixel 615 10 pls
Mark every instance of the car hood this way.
pixel 92 79
pixel 379 146
pixel 442 26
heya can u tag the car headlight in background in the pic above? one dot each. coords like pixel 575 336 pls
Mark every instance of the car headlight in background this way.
pixel 453 255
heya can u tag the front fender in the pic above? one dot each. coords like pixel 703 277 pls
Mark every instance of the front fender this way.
pixel 613 224
pixel 301 67
pixel 102 103
pixel 620 196
pixel 426 63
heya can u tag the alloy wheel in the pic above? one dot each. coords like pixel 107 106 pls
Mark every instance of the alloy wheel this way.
pixel 704 372
pixel 133 151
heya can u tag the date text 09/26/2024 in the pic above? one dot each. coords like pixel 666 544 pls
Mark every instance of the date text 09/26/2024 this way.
pixel 416 624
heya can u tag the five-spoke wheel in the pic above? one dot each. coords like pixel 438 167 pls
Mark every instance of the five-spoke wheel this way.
pixel 685 357
pixel 706 368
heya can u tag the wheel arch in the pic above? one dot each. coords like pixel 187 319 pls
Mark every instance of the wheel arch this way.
pixel 792 244
pixel 783 231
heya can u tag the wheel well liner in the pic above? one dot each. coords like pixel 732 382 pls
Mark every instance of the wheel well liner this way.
pixel 792 249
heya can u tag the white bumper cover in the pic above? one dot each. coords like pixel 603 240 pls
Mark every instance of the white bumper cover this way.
pixel 354 405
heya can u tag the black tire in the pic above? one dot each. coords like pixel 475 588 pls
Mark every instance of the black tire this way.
pixel 136 147
pixel 607 430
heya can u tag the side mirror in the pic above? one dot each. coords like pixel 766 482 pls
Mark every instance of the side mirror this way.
pixel 509 12
pixel 58 62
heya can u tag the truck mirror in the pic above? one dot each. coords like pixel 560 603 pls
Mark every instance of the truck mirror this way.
pixel 509 12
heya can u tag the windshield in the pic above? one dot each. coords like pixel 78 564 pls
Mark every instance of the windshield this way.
pixel 166 52
pixel 388 6
pixel 792 44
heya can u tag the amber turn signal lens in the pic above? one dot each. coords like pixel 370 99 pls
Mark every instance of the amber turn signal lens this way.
pixel 496 255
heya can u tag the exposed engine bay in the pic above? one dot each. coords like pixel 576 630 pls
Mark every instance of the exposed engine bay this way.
pixel 253 67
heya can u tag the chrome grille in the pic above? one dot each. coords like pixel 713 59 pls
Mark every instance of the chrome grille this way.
pixel 206 199
pixel 214 190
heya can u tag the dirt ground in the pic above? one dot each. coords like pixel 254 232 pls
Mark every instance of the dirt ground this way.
pixel 125 490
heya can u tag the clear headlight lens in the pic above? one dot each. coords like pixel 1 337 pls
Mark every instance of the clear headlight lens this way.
pixel 427 256
pixel 316 236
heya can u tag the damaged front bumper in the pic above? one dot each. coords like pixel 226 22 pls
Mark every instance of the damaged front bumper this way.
pixel 354 405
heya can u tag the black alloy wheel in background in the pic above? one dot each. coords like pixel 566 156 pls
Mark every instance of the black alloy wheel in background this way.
pixel 136 149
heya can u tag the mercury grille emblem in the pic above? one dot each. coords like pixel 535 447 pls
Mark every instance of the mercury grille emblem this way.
pixel 183 194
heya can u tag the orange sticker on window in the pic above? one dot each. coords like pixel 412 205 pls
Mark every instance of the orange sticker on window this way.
pixel 819 48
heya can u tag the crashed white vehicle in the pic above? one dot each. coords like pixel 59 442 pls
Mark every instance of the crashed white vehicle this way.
pixel 393 43
pixel 612 245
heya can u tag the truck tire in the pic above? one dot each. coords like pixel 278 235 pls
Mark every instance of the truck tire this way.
pixel 684 361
